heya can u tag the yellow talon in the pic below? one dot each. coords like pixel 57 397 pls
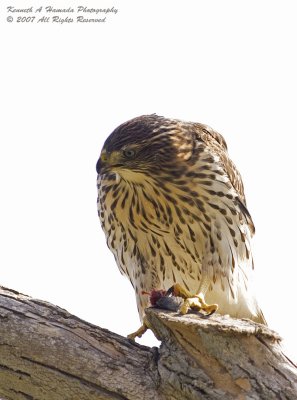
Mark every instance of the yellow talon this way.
pixel 191 301
pixel 194 302
pixel 138 333
pixel 144 327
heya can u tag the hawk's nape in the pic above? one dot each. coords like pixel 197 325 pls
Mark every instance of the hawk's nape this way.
pixel 173 209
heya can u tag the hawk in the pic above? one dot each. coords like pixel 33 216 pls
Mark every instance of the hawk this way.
pixel 172 206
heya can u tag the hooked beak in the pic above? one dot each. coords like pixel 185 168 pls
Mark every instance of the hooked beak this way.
pixel 108 160
pixel 99 166
pixel 101 162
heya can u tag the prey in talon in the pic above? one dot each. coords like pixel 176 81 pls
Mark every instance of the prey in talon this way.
pixel 179 299
pixel 164 299
pixel 192 301
pixel 160 299
pixel 172 206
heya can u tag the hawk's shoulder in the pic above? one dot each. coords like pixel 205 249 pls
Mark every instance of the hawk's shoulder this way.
pixel 217 144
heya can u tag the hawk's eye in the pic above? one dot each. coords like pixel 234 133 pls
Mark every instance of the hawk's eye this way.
pixel 129 153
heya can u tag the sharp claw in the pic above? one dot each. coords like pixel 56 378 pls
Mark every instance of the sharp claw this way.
pixel 144 327
pixel 213 311
pixel 170 291
pixel 194 302
pixel 178 290
pixel 138 333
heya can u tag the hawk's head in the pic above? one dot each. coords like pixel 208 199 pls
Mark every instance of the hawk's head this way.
pixel 146 144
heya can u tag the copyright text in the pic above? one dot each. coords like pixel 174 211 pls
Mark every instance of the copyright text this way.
pixel 54 15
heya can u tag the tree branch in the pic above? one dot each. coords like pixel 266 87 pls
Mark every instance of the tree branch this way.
pixel 48 354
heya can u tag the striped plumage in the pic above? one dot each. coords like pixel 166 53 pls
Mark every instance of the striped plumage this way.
pixel 172 206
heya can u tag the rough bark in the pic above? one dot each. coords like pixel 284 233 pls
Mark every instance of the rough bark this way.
pixel 47 353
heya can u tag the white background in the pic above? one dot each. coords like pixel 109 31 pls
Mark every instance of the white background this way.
pixel 64 88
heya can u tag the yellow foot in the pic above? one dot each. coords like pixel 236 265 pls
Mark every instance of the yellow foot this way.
pixel 144 327
pixel 194 302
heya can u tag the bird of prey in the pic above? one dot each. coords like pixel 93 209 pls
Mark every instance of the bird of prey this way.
pixel 172 206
